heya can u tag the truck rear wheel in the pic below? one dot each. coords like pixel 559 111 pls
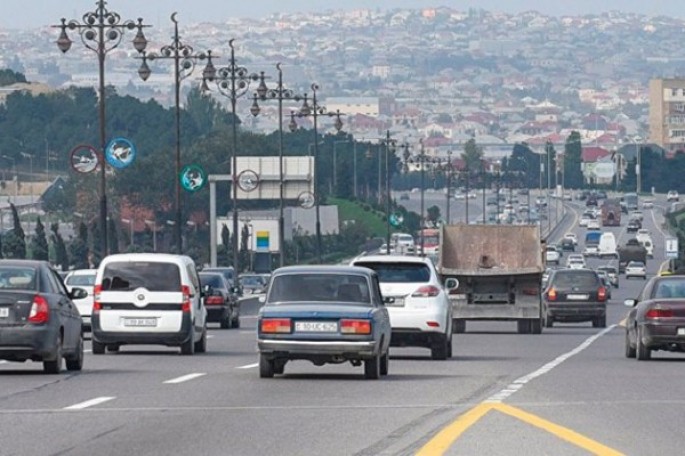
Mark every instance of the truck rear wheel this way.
pixel 536 326
pixel 523 326
pixel 459 326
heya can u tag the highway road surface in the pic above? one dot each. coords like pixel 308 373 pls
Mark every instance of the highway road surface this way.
pixel 569 391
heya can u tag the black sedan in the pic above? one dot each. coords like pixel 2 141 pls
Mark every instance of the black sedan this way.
pixel 656 320
pixel 38 320
pixel 221 305
pixel 575 295
pixel 324 314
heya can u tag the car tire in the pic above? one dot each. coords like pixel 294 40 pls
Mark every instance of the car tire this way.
pixel 98 347
pixel 372 368
pixel 385 361
pixel 266 367
pixel 599 322
pixel 459 326
pixel 188 347
pixel 630 351
pixel 642 352
pixel 226 322
pixel 439 348
pixel 113 348
pixel 549 321
pixel 536 326
pixel 54 366
pixel 201 345
pixel 279 366
pixel 75 362
pixel 236 321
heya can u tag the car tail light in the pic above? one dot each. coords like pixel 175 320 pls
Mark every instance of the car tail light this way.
pixel 275 325
pixel 552 295
pixel 433 324
pixel 214 300
pixel 426 291
pixel 602 294
pixel 659 312
pixel 40 310
pixel 355 326
pixel 185 305
pixel 97 305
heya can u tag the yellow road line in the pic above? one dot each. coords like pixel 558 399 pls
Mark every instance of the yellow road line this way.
pixel 559 431
pixel 445 438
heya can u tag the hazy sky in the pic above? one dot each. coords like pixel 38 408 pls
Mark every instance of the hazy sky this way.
pixel 35 13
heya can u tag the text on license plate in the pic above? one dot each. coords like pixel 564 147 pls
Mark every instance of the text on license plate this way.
pixel 4 312
pixel 140 322
pixel 316 326
pixel 577 297
pixel 681 331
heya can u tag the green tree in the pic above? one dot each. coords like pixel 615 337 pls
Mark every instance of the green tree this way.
pixel 78 248
pixel 39 243
pixel 472 155
pixel 245 247
pixel 573 149
pixel 433 215
pixel 14 245
pixel 61 256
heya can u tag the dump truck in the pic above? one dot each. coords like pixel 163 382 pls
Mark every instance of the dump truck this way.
pixel 631 251
pixel 611 212
pixel 493 272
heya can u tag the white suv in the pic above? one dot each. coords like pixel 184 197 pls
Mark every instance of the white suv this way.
pixel 148 298
pixel 418 305
pixel 82 278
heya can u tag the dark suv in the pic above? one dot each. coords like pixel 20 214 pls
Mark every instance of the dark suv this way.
pixel 575 295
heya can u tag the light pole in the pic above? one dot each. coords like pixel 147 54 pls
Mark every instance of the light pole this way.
pixel 232 81
pixel 315 110
pixel 278 93
pixel 30 157
pixel 638 167
pixel 101 31
pixel 129 222
pixel 184 59
pixel 335 164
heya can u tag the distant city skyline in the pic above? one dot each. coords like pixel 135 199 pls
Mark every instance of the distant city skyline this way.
pixel 15 14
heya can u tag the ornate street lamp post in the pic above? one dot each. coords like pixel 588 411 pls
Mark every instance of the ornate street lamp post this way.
pixel 279 93
pixel 184 59
pixel 315 110
pixel 101 31
pixel 232 81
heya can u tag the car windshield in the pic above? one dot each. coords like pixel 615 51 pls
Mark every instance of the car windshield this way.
pixel 213 280
pixel 227 272
pixel 636 264
pixel 129 275
pixel 580 279
pixel 333 288
pixel 671 288
pixel 17 278
pixel 399 272
pixel 81 280
pixel 252 281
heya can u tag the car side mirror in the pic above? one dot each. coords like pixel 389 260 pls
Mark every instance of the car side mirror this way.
pixel 262 299
pixel 630 302
pixel 451 283
pixel 207 290
pixel 236 290
pixel 388 300
pixel 78 293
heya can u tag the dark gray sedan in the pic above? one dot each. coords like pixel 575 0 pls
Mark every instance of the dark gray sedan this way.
pixel 656 320
pixel 324 314
pixel 575 295
pixel 38 320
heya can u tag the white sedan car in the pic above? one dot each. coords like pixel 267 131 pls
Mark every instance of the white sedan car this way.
pixel 82 278
pixel 575 261
pixel 572 237
pixel 636 269
pixel 593 224
pixel 419 306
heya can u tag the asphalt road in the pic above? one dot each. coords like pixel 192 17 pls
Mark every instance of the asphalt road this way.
pixel 568 391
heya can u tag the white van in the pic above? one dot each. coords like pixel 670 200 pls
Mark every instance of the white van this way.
pixel 148 298
pixel 403 243
pixel 607 246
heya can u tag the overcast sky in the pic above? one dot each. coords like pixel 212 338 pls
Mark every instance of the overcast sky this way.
pixel 36 13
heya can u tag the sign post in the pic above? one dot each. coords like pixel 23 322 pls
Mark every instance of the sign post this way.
pixel 671 248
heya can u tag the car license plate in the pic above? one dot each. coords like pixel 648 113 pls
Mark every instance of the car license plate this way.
pixel 316 326
pixel 577 297
pixel 4 312
pixel 140 322
pixel 398 302
pixel 681 331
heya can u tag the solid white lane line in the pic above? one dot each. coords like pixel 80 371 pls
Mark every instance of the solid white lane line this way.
pixel 656 224
pixel 520 382
pixel 248 366
pixel 184 378
pixel 90 403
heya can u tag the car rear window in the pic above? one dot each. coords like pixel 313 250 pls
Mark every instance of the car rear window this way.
pixel 579 279
pixel 81 279
pixel 17 278
pixel 669 289
pixel 333 288
pixel 398 272
pixel 213 280
pixel 155 276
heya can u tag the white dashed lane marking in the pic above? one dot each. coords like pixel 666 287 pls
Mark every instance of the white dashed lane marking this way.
pixel 248 366
pixel 184 378
pixel 90 403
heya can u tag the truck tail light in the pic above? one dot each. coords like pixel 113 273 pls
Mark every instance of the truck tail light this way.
pixel 552 294
pixel 275 325
pixel 185 305
pixel 426 291
pixel 355 326
pixel 97 304
pixel 659 312
pixel 602 294
pixel 40 310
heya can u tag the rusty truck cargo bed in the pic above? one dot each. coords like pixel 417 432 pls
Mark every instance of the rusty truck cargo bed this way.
pixel 490 250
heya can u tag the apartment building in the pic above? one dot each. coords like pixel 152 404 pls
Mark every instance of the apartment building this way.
pixel 667 113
